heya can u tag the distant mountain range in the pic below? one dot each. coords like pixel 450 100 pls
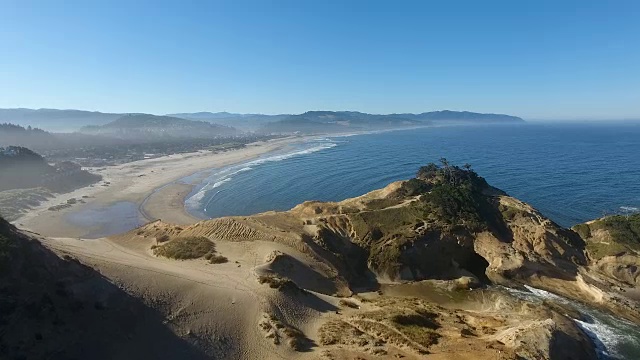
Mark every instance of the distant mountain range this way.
pixel 312 121
pixel 340 121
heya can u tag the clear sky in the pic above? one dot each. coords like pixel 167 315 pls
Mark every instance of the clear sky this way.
pixel 536 59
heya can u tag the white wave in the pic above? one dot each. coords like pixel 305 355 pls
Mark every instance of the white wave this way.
pixel 604 337
pixel 292 154
pixel 220 183
pixel 225 175
pixel 546 295
pixel 629 209
pixel 598 326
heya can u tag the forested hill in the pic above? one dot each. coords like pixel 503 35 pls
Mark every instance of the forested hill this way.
pixel 22 168
pixel 145 126
pixel 54 119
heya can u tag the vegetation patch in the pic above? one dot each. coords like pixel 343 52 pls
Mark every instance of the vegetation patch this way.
pixel 510 213
pixel 216 259
pixel 163 238
pixel 583 230
pixel 624 232
pixel 419 327
pixel 183 248
pixel 278 331
pixel 338 332
pixel 378 204
pixel 276 282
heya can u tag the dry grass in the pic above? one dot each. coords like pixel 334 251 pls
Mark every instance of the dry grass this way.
pixel 216 259
pixel 341 332
pixel 276 282
pixel 277 330
pixel 163 238
pixel 193 247
pixel 406 323
pixel 419 327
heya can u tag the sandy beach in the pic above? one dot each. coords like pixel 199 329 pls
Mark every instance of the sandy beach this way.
pixel 147 189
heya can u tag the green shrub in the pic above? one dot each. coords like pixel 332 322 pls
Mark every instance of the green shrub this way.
pixel 458 205
pixel 419 327
pixel 218 259
pixel 583 230
pixel 276 282
pixel 192 247
pixel 624 231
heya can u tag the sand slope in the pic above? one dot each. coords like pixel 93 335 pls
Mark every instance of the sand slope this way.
pixel 217 307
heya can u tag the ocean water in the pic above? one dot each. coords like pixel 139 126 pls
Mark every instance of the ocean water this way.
pixel 570 172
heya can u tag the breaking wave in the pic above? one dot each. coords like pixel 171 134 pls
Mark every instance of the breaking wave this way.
pixel 629 209
pixel 610 335
pixel 225 175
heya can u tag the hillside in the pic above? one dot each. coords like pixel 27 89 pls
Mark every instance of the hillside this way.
pixel 27 179
pixel 613 246
pixel 244 122
pixel 23 168
pixel 336 121
pixel 15 135
pixel 154 128
pixel 466 117
pixel 344 121
pixel 54 307
pixel 55 120
pixel 44 141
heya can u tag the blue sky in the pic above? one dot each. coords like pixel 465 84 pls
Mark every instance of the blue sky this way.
pixel 536 59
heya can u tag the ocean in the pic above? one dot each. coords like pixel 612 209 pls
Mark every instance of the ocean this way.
pixel 570 172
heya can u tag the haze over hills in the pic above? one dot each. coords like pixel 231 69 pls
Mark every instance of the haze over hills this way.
pixel 72 120
pixel 54 119
pixel 340 121
pixel 23 168
pixel 26 179
pixel 245 122
pixel 152 127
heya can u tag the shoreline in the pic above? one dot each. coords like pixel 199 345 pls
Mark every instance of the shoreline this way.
pixel 150 188
pixel 135 193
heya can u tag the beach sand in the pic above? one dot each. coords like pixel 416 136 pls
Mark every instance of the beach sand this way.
pixel 137 192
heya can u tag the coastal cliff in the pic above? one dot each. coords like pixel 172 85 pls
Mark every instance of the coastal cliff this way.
pixel 446 226
pixel 429 266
